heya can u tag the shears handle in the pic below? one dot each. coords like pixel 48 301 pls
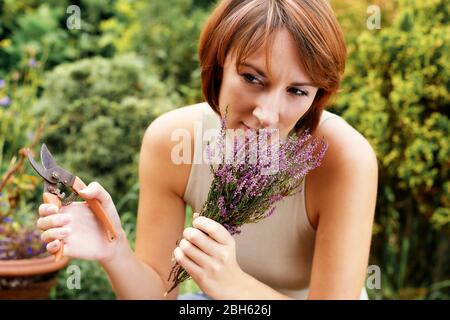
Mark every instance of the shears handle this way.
pixel 51 198
pixel 98 210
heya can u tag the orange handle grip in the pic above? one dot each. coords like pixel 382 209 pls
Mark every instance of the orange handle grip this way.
pixel 98 210
pixel 51 198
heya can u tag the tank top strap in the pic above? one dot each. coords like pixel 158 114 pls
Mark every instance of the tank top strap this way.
pixel 326 115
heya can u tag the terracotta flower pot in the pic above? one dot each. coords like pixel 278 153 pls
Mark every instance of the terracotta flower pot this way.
pixel 33 277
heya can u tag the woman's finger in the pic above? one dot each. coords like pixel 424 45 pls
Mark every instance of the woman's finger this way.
pixel 47 209
pixel 201 240
pixel 190 266
pixel 53 246
pixel 55 233
pixel 53 221
pixel 195 254
pixel 214 229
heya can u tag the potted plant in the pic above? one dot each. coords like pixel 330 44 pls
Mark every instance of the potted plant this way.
pixel 27 271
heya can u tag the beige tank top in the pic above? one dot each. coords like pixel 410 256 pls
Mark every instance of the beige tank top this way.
pixel 278 250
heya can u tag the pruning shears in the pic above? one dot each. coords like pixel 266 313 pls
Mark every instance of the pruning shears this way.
pixel 54 177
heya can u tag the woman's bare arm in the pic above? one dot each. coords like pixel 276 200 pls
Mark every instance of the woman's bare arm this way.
pixel 143 274
pixel 346 210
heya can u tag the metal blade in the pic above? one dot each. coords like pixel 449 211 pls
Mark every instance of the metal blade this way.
pixel 38 168
pixel 47 158
pixel 54 171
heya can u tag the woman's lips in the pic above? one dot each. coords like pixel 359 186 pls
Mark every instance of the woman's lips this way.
pixel 246 126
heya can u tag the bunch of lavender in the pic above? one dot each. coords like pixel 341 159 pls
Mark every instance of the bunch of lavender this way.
pixel 247 183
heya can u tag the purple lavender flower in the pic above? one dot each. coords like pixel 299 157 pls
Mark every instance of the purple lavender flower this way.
pixel 270 212
pixel 247 191
pixel 5 101
pixel 2 83
pixel 222 209
pixel 232 229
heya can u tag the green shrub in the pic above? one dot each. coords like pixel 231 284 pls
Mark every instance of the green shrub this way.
pixel 353 15
pixel 38 30
pixel 165 33
pixel 97 111
pixel 396 93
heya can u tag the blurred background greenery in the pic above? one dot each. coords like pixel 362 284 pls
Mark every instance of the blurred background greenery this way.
pixel 135 59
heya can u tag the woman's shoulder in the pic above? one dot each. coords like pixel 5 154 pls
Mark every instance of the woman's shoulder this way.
pixel 162 140
pixel 345 144
pixel 349 153
pixel 182 117
pixel 167 124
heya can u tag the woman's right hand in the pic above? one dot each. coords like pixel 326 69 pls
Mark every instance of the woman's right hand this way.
pixel 76 225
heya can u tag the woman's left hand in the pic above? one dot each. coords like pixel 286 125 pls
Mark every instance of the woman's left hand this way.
pixel 207 252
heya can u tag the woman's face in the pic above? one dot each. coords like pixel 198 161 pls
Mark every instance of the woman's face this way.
pixel 256 101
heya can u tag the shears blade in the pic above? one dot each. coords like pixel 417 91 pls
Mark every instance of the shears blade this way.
pixel 46 158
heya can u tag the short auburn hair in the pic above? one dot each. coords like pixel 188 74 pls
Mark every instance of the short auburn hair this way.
pixel 243 25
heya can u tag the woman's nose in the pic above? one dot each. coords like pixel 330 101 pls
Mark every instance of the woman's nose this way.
pixel 267 115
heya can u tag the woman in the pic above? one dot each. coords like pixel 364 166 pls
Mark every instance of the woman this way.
pixel 275 64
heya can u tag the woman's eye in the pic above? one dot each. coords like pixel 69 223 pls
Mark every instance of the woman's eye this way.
pixel 249 78
pixel 300 92
pixel 253 80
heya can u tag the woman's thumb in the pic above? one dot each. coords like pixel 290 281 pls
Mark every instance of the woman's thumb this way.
pixel 95 191
pixel 87 192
